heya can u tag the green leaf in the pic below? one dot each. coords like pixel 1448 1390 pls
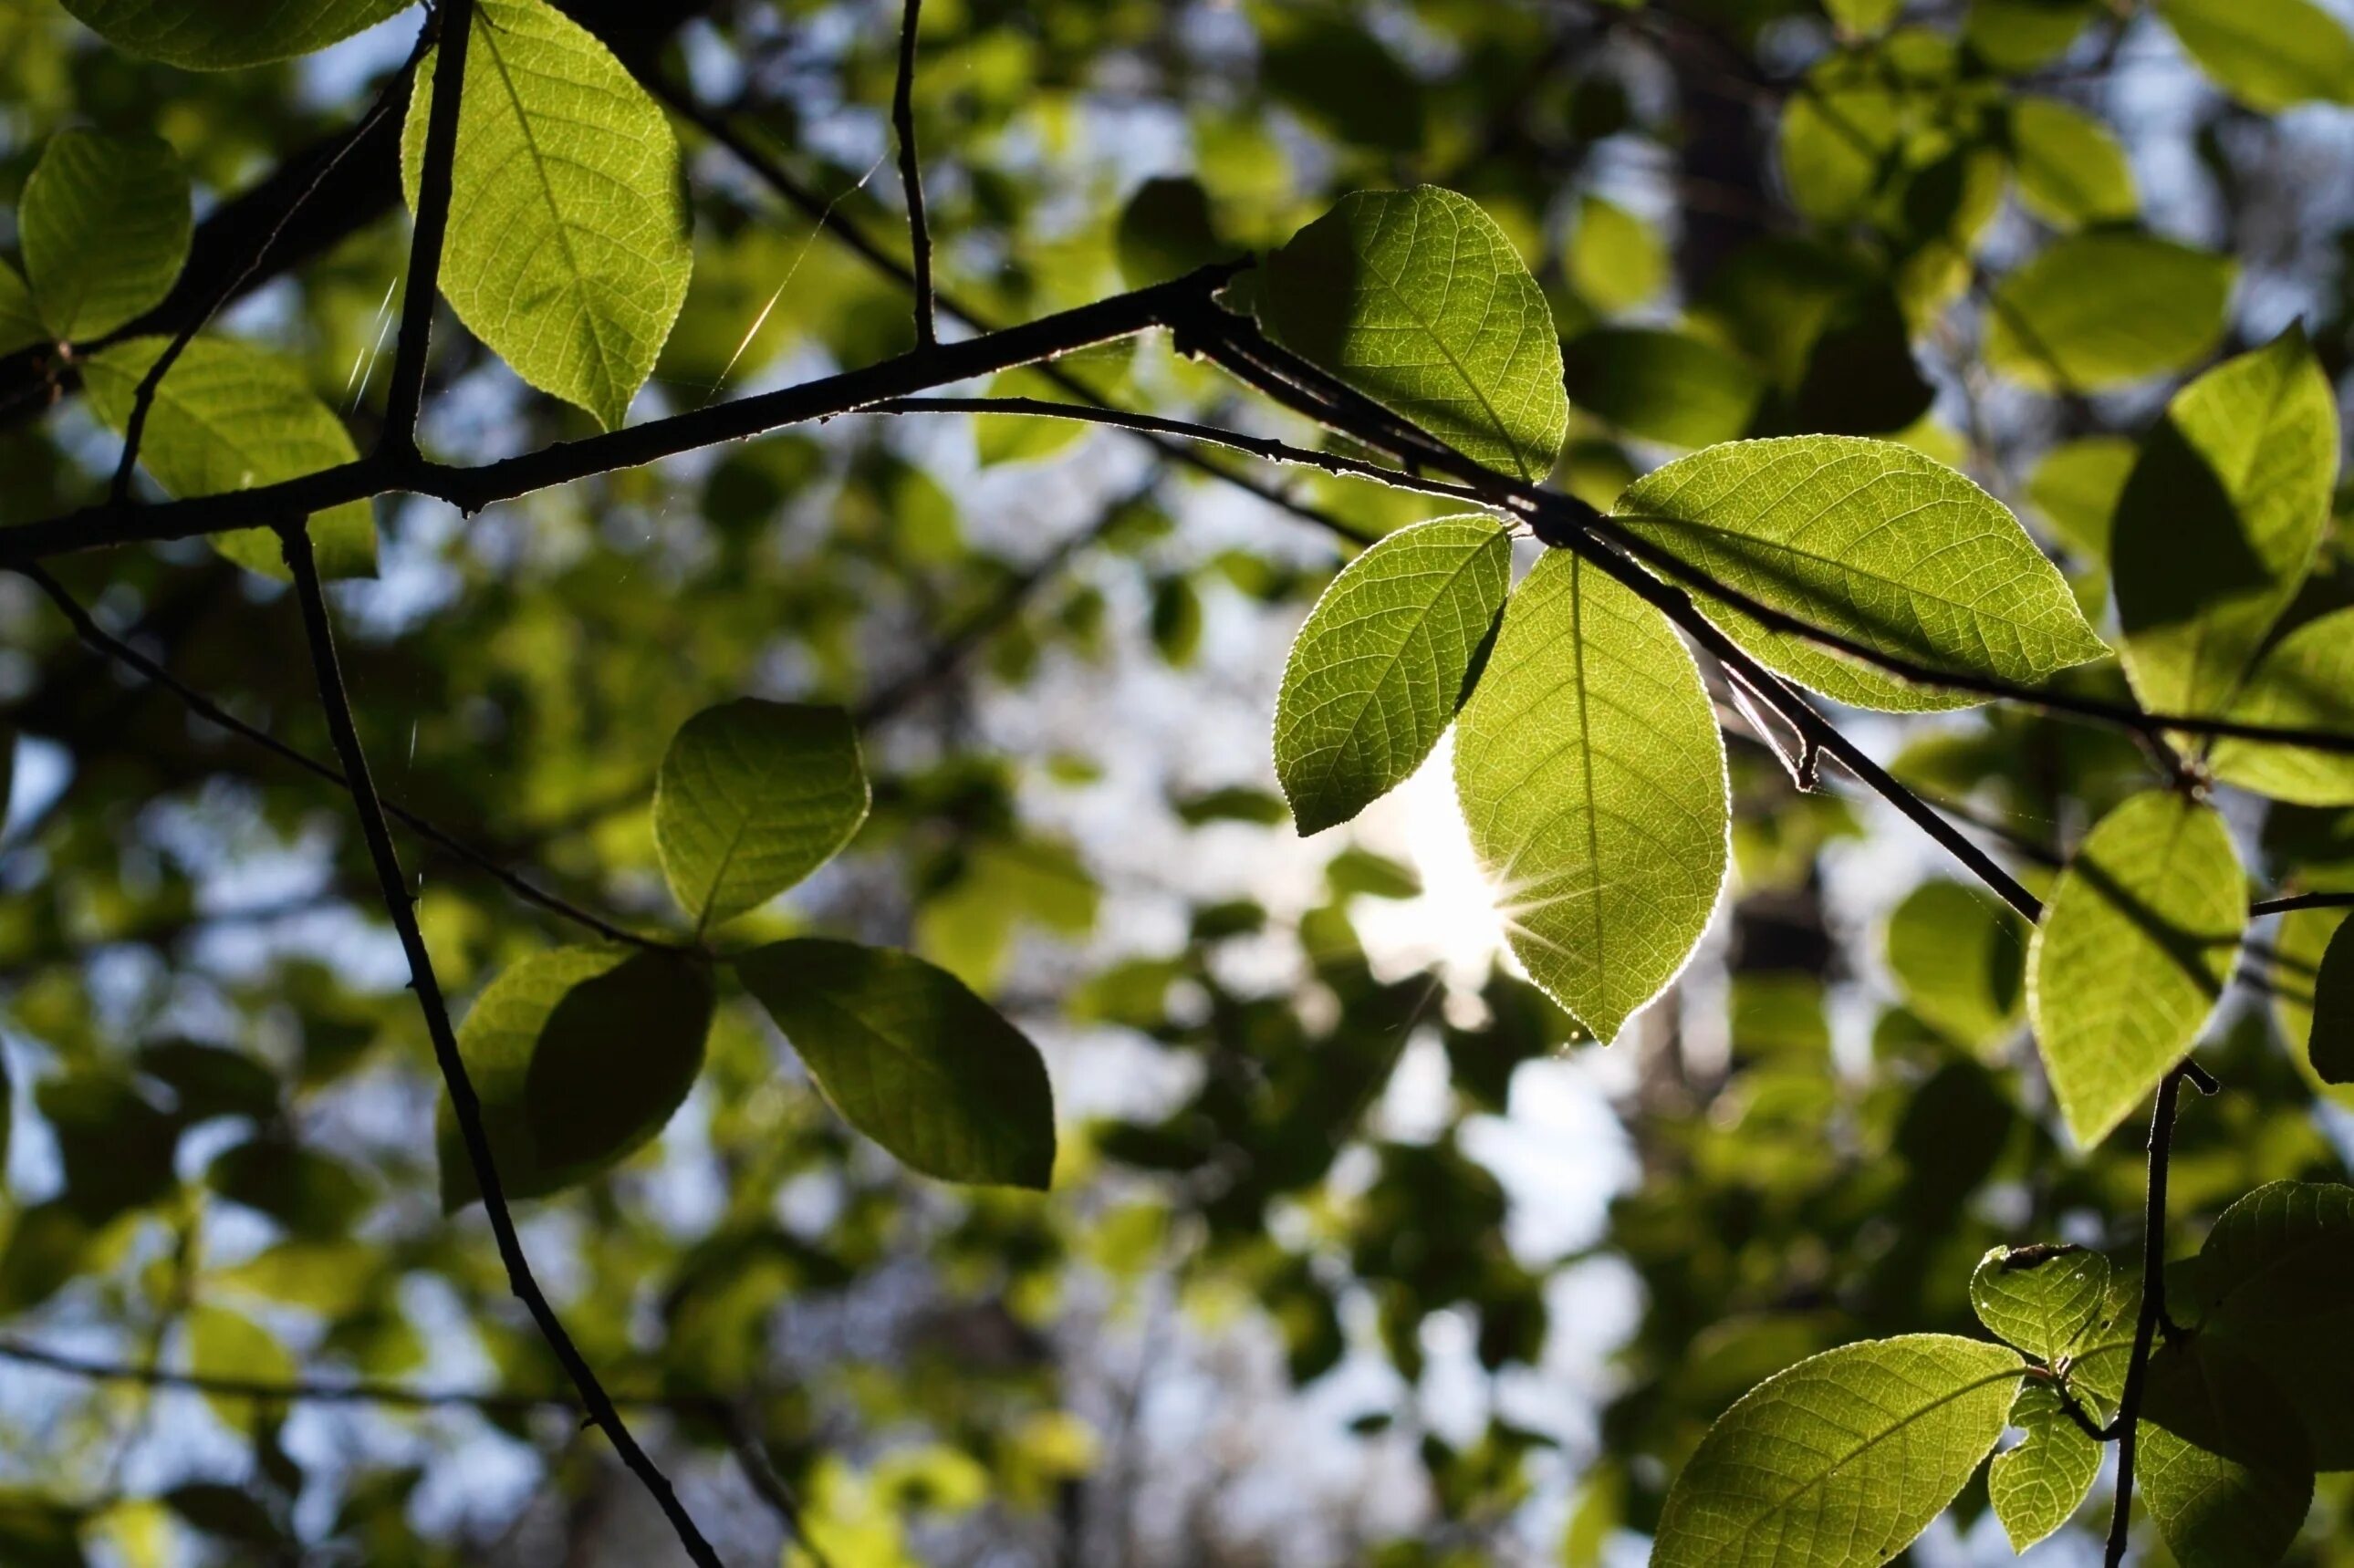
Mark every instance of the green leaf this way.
pixel 226 1344
pixel 2106 308
pixel 1417 300
pixel 1165 231
pixel 2299 948
pixel 227 417
pixel 2071 169
pixel 2268 54
pixel 568 250
pixel 2135 947
pixel 2038 1485
pixel 1841 1460
pixel 2305 679
pixel 1383 662
pixel 224 35
pixel 752 797
pixel 1867 120
pixel 2040 1298
pixel 2018 36
pixel 105 224
pixel 1663 386
pixel 2224 1466
pixel 1874 541
pixel 1592 779
pixel 1959 957
pixel 578 1056
pixel 2276 1282
pixel 1614 260
pixel 2076 487
pixel 1858 18
pixel 20 319
pixel 2331 1042
pixel 2218 524
pixel 310 1193
pixel 912 1059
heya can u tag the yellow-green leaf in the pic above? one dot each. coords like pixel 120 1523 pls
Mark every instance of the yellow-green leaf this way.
pixel 2038 1485
pixel 2072 171
pixel 105 224
pixel 2268 54
pixel 2104 308
pixel 2040 1298
pixel 752 797
pixel 2305 681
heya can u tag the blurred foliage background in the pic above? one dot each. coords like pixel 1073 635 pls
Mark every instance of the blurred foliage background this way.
pixel 1355 1253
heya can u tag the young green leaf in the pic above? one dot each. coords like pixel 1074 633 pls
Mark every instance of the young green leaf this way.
pixel 2219 521
pixel 1663 386
pixel 20 320
pixel 579 1055
pixel 1614 260
pixel 1417 300
pixel 1383 662
pixel 2136 944
pixel 1841 1460
pixel 105 224
pixel 752 797
pixel 224 35
pixel 912 1059
pixel 1592 778
pixel 2305 679
pixel 2076 487
pixel 229 416
pixel 2071 170
pixel 1874 541
pixel 567 250
pixel 2268 54
pixel 226 1344
pixel 1959 956
pixel 2276 1282
pixel 2037 1486
pixel 2040 1298
pixel 2224 1465
pixel 2104 308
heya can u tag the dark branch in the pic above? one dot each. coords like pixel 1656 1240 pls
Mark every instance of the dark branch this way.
pixel 2153 1304
pixel 453 21
pixel 911 175
pixel 464 1105
pixel 2282 906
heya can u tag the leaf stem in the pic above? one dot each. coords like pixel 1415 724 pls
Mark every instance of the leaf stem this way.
pixel 911 176
pixel 453 26
pixel 295 538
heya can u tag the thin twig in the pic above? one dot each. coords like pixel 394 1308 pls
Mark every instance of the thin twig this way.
pixel 406 394
pixel 295 537
pixel 911 175
pixel 2301 901
pixel 761 1471
pixel 104 643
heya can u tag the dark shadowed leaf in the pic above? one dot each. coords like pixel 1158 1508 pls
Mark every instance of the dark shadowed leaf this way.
pixel 752 797
pixel 1959 956
pixel 222 34
pixel 2224 1465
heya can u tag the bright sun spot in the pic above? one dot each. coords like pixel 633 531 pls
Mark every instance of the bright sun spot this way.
pixel 1453 924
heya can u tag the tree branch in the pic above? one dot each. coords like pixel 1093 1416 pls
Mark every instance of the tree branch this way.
pixel 467 1108
pixel 911 175
pixel 455 23
pixel 2282 906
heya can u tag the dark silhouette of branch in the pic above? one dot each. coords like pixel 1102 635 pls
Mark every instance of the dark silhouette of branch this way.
pixel 466 1107
pixel 103 642
pixel 911 173
pixel 454 24
pixel 2282 906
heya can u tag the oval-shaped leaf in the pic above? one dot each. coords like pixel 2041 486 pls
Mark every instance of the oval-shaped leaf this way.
pixel 1959 956
pixel 2076 487
pixel 578 1056
pixel 2219 522
pixel 105 224
pixel 1841 1460
pixel 2268 54
pixel 1417 300
pixel 1614 260
pixel 1592 778
pixel 752 797
pixel 2037 1486
pixel 229 416
pixel 567 251
pixel 1663 386
pixel 1383 662
pixel 2276 1281
pixel 2131 955
pixel 2107 307
pixel 2306 679
pixel 223 35
pixel 2040 1298
pixel 1876 542
pixel 20 320
pixel 912 1059
pixel 2299 947
pixel 2331 1045
pixel 2224 1469
pixel 2071 169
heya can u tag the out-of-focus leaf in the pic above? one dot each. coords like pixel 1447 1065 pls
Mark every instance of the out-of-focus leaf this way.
pixel 2268 54
pixel 1663 386
pixel 105 226
pixel 310 1193
pixel 2305 679
pixel 2331 1043
pixel 2040 1298
pixel 2076 486
pixel 1383 662
pixel 2106 308
pixel 116 1147
pixel 224 35
pixel 1165 231
pixel 2072 171
pixel 20 321
pixel 752 797
pixel 2017 36
pixel 1959 956
pixel 1615 260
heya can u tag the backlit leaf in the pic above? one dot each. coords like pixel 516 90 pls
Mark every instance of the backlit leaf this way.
pixel 2037 1486
pixel 752 797
pixel 2071 169
pixel 1383 662
pixel 1876 542
pixel 2306 679
pixel 222 34
pixel 567 250
pixel 229 416
pixel 2136 944
pixel 2076 486
pixel 1592 777
pixel 2104 308
pixel 2268 54
pixel 2040 1298
pixel 2218 524
pixel 579 1055
pixel 1615 259
pixel 1417 300
pixel 912 1059
pixel 2224 1466
pixel 105 225
pixel 1841 1460
pixel 1959 956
